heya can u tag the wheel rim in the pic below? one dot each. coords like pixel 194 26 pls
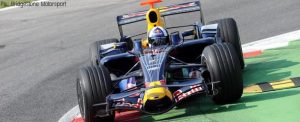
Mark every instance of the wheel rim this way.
pixel 204 62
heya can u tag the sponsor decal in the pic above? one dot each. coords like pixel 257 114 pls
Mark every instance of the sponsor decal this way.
pixel 161 9
pixel 179 95
pixel 134 15
pixel 164 9
pixel 123 103
pixel 158 31
pixel 153 51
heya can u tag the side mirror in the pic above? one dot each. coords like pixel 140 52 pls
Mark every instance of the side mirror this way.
pixel 176 38
pixel 128 41
pixel 137 46
pixel 188 33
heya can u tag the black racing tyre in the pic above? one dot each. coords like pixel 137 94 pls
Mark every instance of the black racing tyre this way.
pixel 223 65
pixel 93 85
pixel 229 33
pixel 95 48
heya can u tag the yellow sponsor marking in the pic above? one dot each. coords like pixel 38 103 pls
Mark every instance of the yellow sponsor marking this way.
pixel 252 89
pixel 156 93
pixel 282 84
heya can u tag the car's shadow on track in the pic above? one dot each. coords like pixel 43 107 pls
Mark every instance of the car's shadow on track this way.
pixel 266 70
pixel 197 106
pixel 204 105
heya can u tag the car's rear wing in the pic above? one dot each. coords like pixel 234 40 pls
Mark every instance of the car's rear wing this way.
pixel 165 11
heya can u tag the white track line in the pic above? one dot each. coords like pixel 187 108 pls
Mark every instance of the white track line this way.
pixel 70 115
pixel 272 42
pixel 268 43
pixel 8 8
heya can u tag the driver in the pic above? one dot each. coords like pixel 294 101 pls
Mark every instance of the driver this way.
pixel 158 36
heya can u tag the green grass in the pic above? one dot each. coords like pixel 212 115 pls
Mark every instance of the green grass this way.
pixel 274 64
pixel 276 106
pixel 7 3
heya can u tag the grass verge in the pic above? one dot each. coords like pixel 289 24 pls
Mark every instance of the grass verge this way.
pixel 7 3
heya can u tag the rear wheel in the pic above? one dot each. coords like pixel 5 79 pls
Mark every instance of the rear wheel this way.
pixel 223 65
pixel 93 85
pixel 229 33
pixel 95 50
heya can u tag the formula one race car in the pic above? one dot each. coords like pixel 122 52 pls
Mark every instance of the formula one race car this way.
pixel 156 73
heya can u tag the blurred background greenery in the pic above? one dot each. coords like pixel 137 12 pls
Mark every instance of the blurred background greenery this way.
pixel 6 3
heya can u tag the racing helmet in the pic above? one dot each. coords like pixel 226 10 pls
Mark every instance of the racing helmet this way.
pixel 158 36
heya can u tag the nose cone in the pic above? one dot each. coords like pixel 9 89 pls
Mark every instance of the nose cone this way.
pixel 157 100
pixel 158 106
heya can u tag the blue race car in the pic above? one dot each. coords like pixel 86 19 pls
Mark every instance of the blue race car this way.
pixel 156 73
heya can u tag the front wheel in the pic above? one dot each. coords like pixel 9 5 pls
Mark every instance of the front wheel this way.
pixel 223 65
pixel 93 85
pixel 229 33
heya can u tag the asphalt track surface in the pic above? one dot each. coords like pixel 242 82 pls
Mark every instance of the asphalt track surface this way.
pixel 42 48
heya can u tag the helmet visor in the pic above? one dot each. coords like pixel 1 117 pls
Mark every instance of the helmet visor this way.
pixel 158 40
